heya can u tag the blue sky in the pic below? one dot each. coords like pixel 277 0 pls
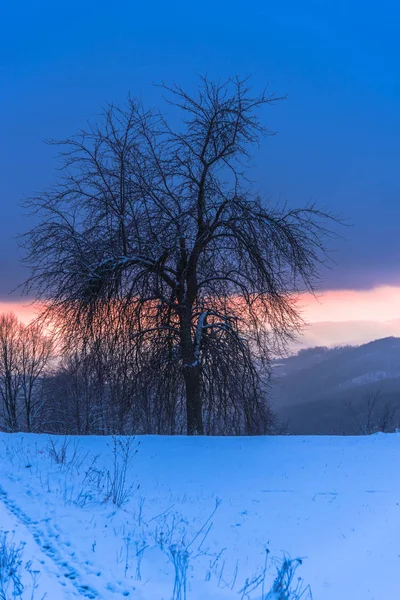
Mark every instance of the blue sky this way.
pixel 338 136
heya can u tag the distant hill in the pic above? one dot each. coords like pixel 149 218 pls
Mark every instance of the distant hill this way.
pixel 326 391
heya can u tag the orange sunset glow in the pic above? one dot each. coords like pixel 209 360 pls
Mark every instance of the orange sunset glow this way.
pixel 334 317
pixel 379 304
pixel 337 317
pixel 24 311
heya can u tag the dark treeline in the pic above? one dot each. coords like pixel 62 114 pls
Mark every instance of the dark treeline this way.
pixel 98 387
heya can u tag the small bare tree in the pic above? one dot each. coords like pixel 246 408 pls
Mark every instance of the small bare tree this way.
pixel 34 356
pixel 373 414
pixel 24 354
pixel 161 227
pixel 10 371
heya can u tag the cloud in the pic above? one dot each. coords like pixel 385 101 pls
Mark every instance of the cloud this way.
pixel 377 304
pixel 25 312
pixel 338 333
pixel 339 317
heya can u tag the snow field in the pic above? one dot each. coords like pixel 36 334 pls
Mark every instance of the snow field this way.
pixel 151 517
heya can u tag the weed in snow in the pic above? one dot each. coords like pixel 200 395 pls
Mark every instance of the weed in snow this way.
pixel 65 453
pixel 97 485
pixel 171 536
pixel 118 491
pixel 284 586
pixel 10 568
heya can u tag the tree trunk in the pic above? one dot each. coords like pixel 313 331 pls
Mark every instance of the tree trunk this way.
pixel 191 374
pixel 194 416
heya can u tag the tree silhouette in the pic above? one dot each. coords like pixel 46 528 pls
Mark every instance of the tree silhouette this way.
pixel 159 226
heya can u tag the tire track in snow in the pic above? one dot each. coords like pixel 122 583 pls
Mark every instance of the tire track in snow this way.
pixel 48 545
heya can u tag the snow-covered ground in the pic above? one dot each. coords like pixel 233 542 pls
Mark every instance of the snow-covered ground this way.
pixel 202 510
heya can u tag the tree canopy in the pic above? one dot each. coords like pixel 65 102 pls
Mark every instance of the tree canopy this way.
pixel 155 229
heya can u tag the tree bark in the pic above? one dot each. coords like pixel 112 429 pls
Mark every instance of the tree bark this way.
pixel 191 375
pixel 194 416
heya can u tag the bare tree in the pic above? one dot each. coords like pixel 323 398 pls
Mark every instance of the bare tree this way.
pixel 34 355
pixel 162 225
pixel 373 414
pixel 10 372
pixel 24 354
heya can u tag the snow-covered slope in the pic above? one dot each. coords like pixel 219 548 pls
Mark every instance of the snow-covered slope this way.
pixel 211 505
